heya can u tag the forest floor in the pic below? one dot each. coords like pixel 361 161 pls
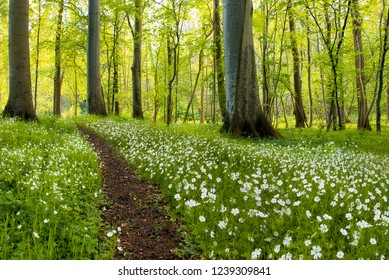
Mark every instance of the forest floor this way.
pixel 136 207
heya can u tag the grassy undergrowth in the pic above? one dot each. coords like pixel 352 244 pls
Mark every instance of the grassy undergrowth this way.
pixel 49 193
pixel 305 197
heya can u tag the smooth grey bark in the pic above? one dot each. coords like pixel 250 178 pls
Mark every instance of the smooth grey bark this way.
pixel 20 103
pixel 96 104
pixel 244 113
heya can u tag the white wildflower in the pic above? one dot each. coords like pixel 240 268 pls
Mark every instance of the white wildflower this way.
pixel 256 254
pixel 316 252
pixel 234 211
pixel 287 241
pixel 340 255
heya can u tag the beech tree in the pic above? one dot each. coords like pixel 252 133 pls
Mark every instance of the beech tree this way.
pixel 244 115
pixel 19 102
pixel 218 64
pixel 297 79
pixel 136 68
pixel 58 76
pixel 363 121
pixel 333 42
pixel 96 104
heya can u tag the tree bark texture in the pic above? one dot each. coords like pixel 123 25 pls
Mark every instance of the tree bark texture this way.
pixel 58 75
pixel 20 101
pixel 266 98
pixel 195 86
pixel 363 123
pixel 96 104
pixel 309 68
pixel 169 101
pixel 219 59
pixel 244 114
pixel 384 50
pixel 387 101
pixel 299 112
pixel 37 54
pixel 115 61
pixel 137 111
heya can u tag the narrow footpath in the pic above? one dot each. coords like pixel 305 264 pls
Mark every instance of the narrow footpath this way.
pixel 136 206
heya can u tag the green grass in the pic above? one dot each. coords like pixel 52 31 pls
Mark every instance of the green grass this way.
pixel 365 141
pixel 50 193
pixel 313 195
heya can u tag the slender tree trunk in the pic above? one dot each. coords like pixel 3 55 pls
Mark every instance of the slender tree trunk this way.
pixel 156 85
pixel 387 101
pixel 309 67
pixel 37 54
pixel 20 103
pixel 137 111
pixel 75 90
pixel 169 101
pixel 244 113
pixel 284 112
pixel 385 49
pixel 360 67
pixel 219 68
pixel 333 50
pixel 96 104
pixel 115 62
pixel 195 85
pixel 265 68
pixel 297 80
pixel 202 99
pixel 57 75
pixel 109 67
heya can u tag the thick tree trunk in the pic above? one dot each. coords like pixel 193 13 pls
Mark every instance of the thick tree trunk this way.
pixel 20 103
pixel 58 75
pixel 137 111
pixel 96 104
pixel 244 113
pixel 363 123
pixel 299 112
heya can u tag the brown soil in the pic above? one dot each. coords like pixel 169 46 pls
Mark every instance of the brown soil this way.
pixel 136 206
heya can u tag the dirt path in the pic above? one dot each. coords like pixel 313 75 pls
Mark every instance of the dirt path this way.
pixel 136 207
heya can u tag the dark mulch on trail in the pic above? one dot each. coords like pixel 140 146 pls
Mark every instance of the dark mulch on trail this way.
pixel 136 206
